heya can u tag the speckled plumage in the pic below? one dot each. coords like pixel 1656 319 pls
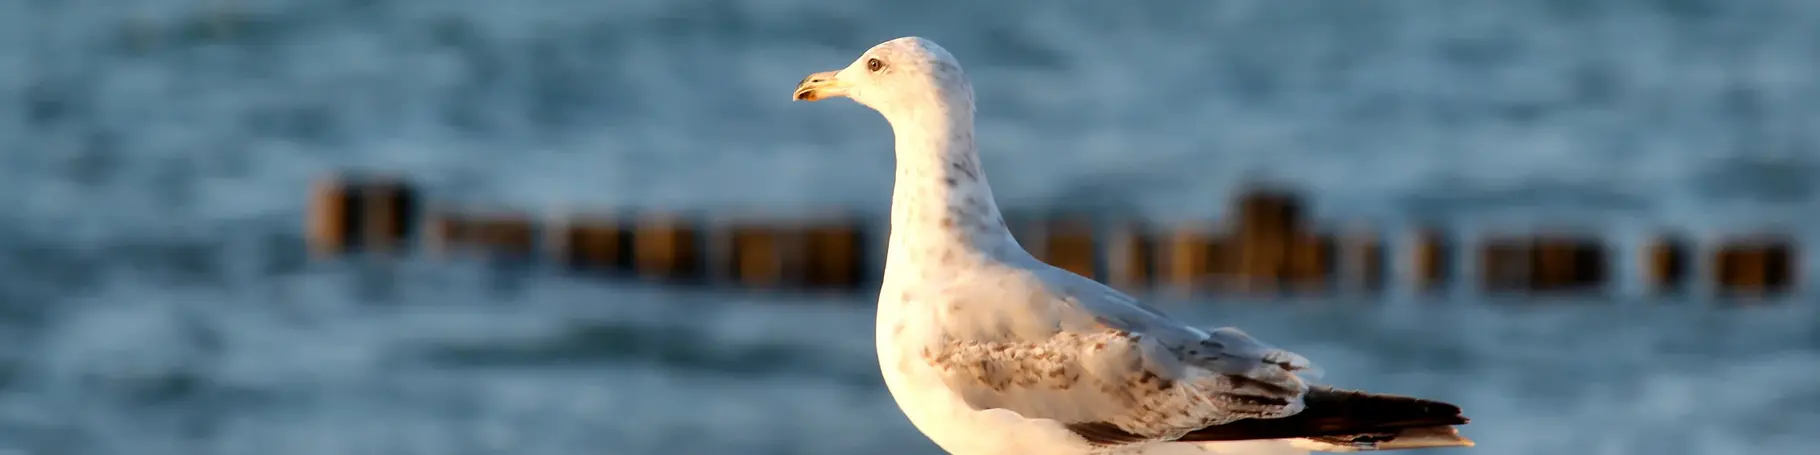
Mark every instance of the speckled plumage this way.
pixel 990 351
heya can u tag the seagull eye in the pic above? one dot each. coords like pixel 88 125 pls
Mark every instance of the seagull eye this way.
pixel 874 65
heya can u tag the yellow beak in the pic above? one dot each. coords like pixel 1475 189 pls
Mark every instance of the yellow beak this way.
pixel 820 86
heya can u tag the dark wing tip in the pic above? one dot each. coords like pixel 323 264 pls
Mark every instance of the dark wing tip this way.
pixel 1342 415
pixel 1334 403
pixel 1103 433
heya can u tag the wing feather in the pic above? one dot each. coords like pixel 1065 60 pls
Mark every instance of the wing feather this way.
pixel 1134 375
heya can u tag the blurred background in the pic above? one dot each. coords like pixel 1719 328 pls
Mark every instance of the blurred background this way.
pixel 155 297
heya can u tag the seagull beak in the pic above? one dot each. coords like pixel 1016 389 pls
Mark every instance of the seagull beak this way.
pixel 820 86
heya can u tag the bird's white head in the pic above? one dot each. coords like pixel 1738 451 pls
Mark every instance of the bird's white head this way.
pixel 898 77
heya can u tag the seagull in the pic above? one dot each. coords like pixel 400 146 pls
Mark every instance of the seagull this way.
pixel 988 350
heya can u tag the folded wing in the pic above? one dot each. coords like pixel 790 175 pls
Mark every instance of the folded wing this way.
pixel 1135 376
pixel 1056 346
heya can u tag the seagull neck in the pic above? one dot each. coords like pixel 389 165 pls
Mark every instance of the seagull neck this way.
pixel 941 195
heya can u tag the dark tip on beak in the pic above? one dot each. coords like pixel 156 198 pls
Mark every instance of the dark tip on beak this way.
pixel 805 90
pixel 818 86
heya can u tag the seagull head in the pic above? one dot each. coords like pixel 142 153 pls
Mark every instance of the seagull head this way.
pixel 900 76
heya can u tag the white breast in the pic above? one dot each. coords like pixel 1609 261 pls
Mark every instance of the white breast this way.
pixel 938 412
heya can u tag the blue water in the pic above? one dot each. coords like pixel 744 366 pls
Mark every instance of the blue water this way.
pixel 154 297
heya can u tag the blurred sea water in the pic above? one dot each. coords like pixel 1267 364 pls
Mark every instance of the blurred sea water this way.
pixel 154 298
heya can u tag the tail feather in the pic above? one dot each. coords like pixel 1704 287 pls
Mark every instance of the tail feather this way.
pixel 1346 421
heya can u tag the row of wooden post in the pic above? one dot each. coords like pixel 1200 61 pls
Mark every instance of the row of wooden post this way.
pixel 1267 246
pixel 382 215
